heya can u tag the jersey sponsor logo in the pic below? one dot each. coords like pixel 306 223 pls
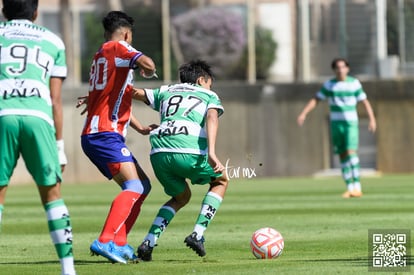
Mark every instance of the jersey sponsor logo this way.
pixel 16 34
pixel 172 130
pixel 21 92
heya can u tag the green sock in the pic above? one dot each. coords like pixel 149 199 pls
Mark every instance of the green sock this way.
pixel 355 168
pixel 60 230
pixel 209 207
pixel 347 173
pixel 160 223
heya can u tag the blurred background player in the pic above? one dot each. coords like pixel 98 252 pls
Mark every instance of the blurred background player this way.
pixel 344 92
pixel 183 147
pixel 103 137
pixel 32 69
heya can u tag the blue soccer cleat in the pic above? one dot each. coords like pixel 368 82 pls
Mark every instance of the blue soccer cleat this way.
pixel 128 252
pixel 108 250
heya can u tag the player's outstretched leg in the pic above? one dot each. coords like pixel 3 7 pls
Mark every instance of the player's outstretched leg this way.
pixel 112 242
pixel 209 207
pixel 160 223
pixel 142 188
pixel 129 223
pixel 115 226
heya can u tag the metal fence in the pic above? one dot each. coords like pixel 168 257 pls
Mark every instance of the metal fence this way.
pixel 250 40
pixel 373 35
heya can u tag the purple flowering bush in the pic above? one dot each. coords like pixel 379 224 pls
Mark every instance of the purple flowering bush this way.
pixel 214 34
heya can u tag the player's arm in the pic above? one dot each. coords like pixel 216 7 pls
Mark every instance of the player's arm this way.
pixel 140 94
pixel 56 96
pixel 372 122
pixel 137 126
pixel 212 129
pixel 308 107
pixel 147 66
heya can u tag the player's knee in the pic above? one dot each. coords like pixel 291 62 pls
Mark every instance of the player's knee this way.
pixel 221 181
pixel 147 186
pixel 137 186
pixel 183 198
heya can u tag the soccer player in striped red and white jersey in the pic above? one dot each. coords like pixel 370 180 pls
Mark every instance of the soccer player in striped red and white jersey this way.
pixel 103 136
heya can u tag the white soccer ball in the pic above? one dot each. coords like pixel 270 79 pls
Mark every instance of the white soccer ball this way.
pixel 267 243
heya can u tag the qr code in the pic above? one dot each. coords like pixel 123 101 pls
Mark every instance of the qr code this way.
pixel 390 249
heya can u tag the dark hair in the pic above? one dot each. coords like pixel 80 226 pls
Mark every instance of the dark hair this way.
pixel 336 60
pixel 191 71
pixel 19 9
pixel 115 20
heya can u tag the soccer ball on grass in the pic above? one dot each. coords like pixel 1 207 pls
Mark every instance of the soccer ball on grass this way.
pixel 267 243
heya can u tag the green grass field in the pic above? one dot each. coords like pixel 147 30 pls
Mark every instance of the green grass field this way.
pixel 324 234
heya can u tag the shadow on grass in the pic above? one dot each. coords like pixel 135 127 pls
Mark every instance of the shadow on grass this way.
pixel 81 262
pixel 87 262
pixel 358 261
pixel 204 260
pixel 354 261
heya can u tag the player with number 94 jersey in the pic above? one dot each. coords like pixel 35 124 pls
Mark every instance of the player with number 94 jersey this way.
pixel 29 55
pixel 32 71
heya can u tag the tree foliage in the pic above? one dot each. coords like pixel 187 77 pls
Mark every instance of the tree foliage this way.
pixel 265 54
pixel 214 34
pixel 93 39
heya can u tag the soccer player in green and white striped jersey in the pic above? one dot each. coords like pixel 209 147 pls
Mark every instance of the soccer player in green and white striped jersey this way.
pixel 343 93
pixel 183 147
pixel 32 69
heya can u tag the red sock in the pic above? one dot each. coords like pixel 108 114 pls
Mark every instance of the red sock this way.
pixel 129 223
pixel 121 237
pixel 121 209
